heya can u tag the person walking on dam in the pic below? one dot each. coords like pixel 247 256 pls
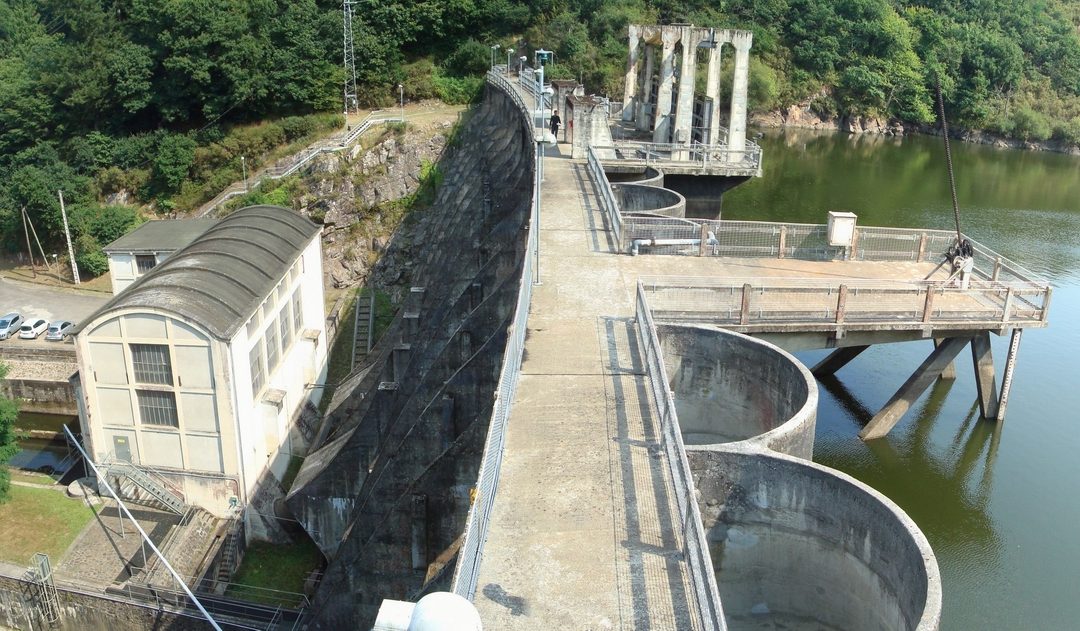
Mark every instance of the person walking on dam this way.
pixel 555 122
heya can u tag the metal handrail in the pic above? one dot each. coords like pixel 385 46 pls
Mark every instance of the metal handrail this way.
pixel 695 544
pixel 467 571
pixel 299 160
pixel 607 195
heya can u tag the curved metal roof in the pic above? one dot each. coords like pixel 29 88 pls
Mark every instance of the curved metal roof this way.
pixel 220 278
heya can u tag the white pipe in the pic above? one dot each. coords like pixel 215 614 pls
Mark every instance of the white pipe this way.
pixel 636 244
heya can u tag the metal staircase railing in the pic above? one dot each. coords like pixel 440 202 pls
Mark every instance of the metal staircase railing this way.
pixel 143 477
pixel 363 326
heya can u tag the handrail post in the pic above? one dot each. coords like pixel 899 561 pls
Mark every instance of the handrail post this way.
pixel 783 242
pixel 928 306
pixel 744 313
pixel 841 304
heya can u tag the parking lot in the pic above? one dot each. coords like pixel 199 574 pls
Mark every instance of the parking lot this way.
pixel 42 301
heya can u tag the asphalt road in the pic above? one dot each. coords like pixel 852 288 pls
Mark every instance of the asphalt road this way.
pixel 51 303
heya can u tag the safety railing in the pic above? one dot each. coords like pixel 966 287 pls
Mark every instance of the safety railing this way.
pixel 607 196
pixel 467 571
pixel 695 545
pixel 299 160
pixel 718 156
pixel 759 304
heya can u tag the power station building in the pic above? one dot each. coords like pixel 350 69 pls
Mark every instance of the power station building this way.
pixel 198 370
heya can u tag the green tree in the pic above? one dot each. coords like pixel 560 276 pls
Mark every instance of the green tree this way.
pixel 9 413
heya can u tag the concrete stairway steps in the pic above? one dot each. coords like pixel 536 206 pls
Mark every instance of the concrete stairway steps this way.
pixel 363 325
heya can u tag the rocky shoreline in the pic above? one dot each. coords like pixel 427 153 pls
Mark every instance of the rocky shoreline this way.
pixel 801 116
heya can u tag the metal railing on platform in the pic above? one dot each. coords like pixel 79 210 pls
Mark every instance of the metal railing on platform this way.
pixel 298 161
pixel 695 546
pixel 719 155
pixel 808 304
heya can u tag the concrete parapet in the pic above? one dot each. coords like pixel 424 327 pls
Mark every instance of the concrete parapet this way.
pixel 635 198
pixel 793 543
pixel 799 544
pixel 731 387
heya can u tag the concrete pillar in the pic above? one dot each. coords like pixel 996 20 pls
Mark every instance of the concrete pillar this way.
pixel 837 360
pixel 662 115
pixel 913 388
pixel 712 91
pixel 643 115
pixel 631 75
pixel 985 379
pixel 684 109
pixel 950 370
pixel 737 120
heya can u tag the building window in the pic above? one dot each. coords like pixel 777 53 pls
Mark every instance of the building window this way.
pixel 157 408
pixel 297 312
pixel 286 328
pixel 294 271
pixel 258 377
pixel 253 326
pixel 273 351
pixel 145 262
pixel 151 363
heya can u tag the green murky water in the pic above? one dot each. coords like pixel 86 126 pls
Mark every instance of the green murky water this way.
pixel 999 503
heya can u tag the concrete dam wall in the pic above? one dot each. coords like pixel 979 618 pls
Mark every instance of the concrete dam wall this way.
pixel 386 489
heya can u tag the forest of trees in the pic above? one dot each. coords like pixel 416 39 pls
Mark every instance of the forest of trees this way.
pixel 101 96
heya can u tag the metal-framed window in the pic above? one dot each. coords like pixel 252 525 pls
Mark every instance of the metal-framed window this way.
pixel 258 375
pixel 297 312
pixel 273 350
pixel 157 408
pixel 145 262
pixel 151 363
pixel 286 328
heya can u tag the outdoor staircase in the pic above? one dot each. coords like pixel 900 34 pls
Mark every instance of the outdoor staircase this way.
pixel 363 327
pixel 155 486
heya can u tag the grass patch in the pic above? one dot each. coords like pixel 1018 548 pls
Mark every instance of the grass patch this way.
pixel 269 566
pixel 32 478
pixel 295 462
pixel 39 520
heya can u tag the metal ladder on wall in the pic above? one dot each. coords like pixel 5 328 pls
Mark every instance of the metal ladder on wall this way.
pixel 158 489
pixel 363 327
pixel 40 573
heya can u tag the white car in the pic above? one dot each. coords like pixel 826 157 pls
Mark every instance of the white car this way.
pixel 33 328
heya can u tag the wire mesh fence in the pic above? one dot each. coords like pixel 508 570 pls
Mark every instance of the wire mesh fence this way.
pixel 695 545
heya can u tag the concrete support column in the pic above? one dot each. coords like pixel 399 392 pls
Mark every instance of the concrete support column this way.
pixel 837 360
pixel 630 87
pixel 913 388
pixel 737 120
pixel 684 109
pixel 712 91
pixel 643 115
pixel 985 379
pixel 662 115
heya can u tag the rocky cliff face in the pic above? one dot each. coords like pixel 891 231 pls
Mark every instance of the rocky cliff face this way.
pixel 361 196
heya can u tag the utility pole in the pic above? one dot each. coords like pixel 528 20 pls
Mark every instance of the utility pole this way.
pixel 28 250
pixel 350 58
pixel 67 235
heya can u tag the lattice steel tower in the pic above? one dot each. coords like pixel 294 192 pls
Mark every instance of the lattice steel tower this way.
pixel 350 59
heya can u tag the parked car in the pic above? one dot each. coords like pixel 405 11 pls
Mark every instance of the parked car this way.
pixel 59 329
pixel 33 328
pixel 9 324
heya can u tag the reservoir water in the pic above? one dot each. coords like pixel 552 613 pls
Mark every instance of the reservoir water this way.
pixel 999 502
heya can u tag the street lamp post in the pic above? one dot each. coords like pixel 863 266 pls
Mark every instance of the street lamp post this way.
pixel 401 101
pixel 494 47
pixel 243 167
pixel 521 67
pixel 509 51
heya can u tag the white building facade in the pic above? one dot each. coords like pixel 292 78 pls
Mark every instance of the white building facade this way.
pixel 200 368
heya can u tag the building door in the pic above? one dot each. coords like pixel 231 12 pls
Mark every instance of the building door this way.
pixel 121 448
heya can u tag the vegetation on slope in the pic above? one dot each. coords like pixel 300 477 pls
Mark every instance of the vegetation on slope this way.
pixel 150 99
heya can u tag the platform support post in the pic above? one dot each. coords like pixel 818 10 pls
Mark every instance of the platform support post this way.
pixel 913 388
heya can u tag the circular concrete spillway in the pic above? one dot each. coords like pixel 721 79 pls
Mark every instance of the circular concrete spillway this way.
pixel 799 546
pixel 730 387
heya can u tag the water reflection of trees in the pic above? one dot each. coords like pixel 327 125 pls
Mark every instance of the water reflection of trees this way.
pixel 945 491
